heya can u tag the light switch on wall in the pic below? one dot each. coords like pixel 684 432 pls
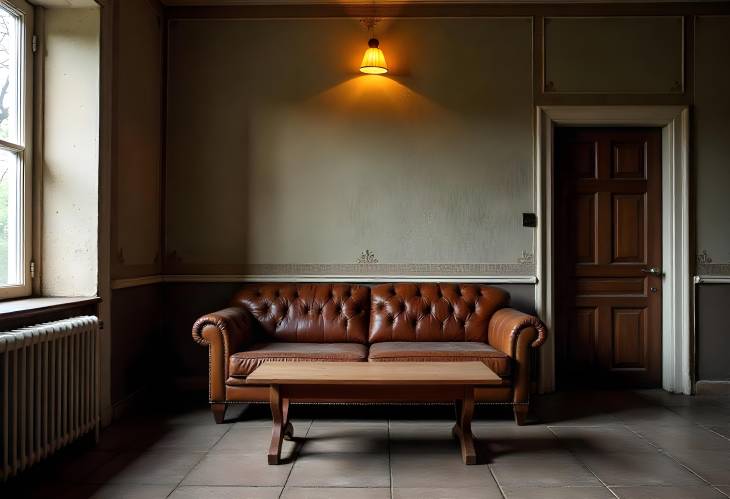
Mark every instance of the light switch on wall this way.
pixel 529 220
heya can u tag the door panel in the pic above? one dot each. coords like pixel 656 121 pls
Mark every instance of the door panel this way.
pixel 585 228
pixel 581 345
pixel 629 338
pixel 608 228
pixel 629 160
pixel 628 228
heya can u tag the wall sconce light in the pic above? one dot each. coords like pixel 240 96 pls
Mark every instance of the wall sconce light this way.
pixel 373 61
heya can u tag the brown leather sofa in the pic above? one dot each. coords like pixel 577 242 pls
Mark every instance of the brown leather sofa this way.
pixel 382 323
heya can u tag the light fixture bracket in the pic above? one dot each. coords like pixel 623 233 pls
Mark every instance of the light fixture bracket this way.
pixel 369 23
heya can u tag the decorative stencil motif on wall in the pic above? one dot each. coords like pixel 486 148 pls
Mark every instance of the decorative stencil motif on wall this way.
pixel 527 258
pixel 367 257
pixel 704 257
pixel 706 267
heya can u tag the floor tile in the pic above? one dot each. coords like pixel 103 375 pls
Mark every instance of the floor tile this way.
pixel 197 492
pixel 411 437
pixel 130 435
pixel 723 401
pixel 414 423
pixel 341 470
pixel 147 468
pixel 640 442
pixel 661 397
pixel 705 415
pixel 539 472
pixel 193 416
pixel 723 430
pixel 45 490
pixel 345 437
pixel 204 415
pixel 250 423
pixel 371 423
pixel 584 408
pixel 655 492
pixel 558 493
pixel 724 489
pixel 266 423
pixel 712 465
pixel 554 412
pixel 409 429
pixel 572 419
pixel 683 438
pixel 120 491
pixel 76 468
pixel 335 492
pixel 526 457
pixel 237 469
pixel 602 439
pixel 425 469
pixel 256 440
pixel 638 469
pixel 656 416
pixel 503 442
pixel 447 493
pixel 198 438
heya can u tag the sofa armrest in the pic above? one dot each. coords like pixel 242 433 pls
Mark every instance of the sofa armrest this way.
pixel 224 333
pixel 232 325
pixel 514 332
pixel 508 324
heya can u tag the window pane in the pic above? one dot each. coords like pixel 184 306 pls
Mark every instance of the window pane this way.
pixel 9 75
pixel 10 248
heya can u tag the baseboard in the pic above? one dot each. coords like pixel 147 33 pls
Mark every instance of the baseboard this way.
pixel 129 404
pixel 721 387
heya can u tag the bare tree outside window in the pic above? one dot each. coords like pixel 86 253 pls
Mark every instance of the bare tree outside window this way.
pixel 9 126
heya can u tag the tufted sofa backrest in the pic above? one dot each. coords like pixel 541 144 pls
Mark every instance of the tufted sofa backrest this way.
pixel 433 311
pixel 309 313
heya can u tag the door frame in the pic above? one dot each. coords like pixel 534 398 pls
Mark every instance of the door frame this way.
pixel 676 258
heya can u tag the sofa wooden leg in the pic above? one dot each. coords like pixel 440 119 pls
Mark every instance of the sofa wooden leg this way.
pixel 219 412
pixel 521 413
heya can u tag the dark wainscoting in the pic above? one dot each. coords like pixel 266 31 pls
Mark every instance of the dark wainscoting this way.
pixel 137 341
pixel 713 332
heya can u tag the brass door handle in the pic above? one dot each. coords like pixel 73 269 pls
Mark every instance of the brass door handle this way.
pixel 653 271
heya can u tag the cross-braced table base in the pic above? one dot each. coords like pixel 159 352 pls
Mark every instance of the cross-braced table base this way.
pixel 282 429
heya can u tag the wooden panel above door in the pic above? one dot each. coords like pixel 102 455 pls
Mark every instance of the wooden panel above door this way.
pixel 613 55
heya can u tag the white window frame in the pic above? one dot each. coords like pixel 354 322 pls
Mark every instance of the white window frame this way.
pixel 23 148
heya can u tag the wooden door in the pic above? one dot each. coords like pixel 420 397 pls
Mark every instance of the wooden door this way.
pixel 608 247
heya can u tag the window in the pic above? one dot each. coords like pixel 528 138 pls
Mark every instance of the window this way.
pixel 15 139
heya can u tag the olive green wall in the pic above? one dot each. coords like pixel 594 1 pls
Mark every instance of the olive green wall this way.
pixel 283 159
pixel 280 153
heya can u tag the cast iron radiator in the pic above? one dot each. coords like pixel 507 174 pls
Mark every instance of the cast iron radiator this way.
pixel 49 389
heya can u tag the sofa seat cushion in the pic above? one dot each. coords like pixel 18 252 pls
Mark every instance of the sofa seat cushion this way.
pixel 242 364
pixel 441 351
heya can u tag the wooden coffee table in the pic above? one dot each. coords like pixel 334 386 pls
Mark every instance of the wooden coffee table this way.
pixel 373 382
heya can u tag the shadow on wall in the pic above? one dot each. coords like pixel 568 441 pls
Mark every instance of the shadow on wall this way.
pixel 380 98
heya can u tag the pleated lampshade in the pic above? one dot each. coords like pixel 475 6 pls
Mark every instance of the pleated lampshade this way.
pixel 373 61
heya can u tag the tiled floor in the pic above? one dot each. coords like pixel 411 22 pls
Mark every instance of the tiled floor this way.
pixel 640 444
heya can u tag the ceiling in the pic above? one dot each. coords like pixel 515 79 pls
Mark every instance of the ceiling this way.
pixel 178 3
pixel 68 4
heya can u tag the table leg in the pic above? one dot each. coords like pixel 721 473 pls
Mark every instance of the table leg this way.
pixel 288 427
pixel 462 428
pixel 277 432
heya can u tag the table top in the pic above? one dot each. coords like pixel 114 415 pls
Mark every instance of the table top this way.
pixel 373 373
